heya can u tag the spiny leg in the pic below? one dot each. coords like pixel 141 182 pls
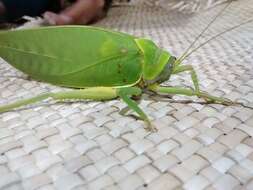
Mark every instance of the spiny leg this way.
pixel 125 94
pixel 189 92
pixel 94 93
pixel 183 68
pixel 20 103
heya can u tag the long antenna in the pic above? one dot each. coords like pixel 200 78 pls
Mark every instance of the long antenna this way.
pixel 200 35
pixel 214 37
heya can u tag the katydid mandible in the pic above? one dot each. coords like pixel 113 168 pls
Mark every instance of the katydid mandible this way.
pixel 101 63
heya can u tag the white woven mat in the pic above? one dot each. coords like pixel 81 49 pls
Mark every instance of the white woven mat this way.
pixel 90 146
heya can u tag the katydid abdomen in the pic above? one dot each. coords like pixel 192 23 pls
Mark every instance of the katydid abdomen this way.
pixel 74 56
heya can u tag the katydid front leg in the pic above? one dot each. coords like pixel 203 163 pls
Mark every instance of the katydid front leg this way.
pixel 183 68
pixel 188 92
pixel 194 77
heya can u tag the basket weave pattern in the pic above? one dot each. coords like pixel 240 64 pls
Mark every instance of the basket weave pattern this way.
pixel 89 145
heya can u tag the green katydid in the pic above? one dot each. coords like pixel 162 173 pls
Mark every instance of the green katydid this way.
pixel 103 64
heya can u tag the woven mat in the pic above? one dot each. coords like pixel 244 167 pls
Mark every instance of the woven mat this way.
pixel 89 145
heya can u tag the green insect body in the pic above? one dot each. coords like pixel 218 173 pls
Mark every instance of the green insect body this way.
pixel 102 63
pixel 82 56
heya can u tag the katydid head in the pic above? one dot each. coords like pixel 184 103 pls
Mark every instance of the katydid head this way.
pixel 157 63
pixel 166 72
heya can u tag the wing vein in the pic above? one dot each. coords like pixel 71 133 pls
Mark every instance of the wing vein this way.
pixel 34 53
pixel 71 61
pixel 95 64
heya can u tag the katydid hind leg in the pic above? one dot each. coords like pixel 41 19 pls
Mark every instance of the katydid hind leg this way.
pixel 94 93
pixel 21 103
